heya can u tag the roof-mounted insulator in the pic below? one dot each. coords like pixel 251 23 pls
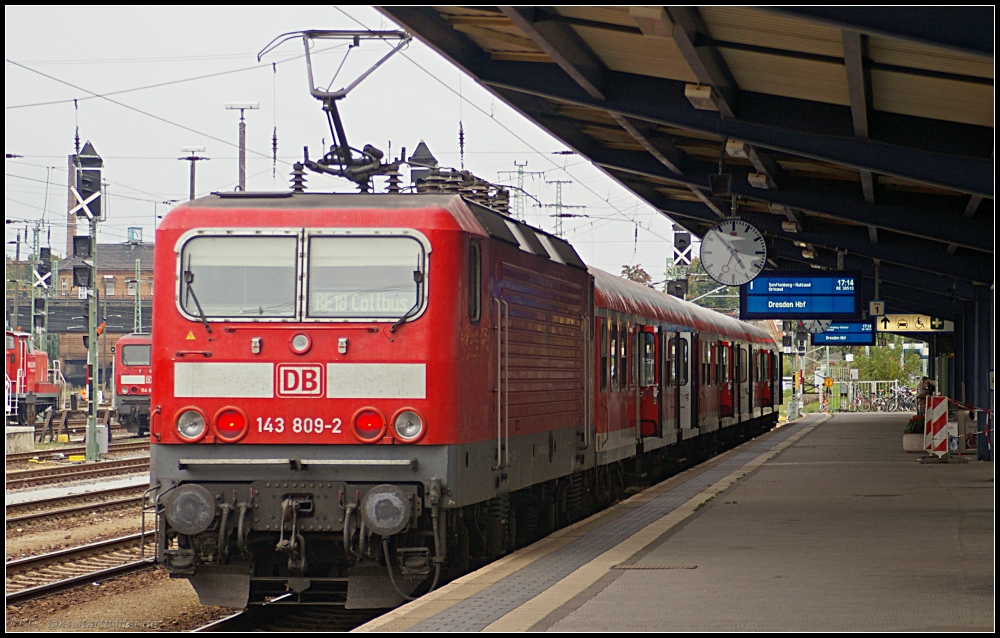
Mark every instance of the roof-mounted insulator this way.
pixel 298 178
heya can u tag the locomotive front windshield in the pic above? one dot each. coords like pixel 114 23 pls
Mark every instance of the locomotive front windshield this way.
pixel 241 277
pixel 364 277
pixel 136 355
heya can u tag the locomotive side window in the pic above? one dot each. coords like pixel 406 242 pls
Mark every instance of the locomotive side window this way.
pixel 239 277
pixel 647 376
pixel 9 343
pixel 365 277
pixel 604 355
pixel 475 281
pixel 135 355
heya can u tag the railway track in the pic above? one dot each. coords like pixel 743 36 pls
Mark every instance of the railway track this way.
pixel 36 576
pixel 25 478
pixel 114 448
pixel 114 504
pixel 86 499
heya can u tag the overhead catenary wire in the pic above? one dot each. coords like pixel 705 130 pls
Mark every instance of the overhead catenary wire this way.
pixel 137 110
pixel 504 126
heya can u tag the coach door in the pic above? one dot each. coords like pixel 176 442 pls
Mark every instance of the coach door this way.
pixel 669 390
pixel 724 378
pixel 687 395
pixel 649 387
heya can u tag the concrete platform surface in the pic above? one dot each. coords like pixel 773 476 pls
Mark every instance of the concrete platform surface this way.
pixel 824 524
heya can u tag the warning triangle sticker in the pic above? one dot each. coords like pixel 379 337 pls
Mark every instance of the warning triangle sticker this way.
pixel 190 336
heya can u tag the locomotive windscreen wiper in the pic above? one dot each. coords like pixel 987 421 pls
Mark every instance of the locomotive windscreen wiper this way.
pixel 418 278
pixel 189 290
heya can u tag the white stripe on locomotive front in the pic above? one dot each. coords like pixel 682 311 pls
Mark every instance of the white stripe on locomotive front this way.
pixel 376 381
pixel 344 380
pixel 224 380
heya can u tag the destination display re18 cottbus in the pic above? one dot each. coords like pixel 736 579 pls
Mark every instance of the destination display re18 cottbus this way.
pixel 801 295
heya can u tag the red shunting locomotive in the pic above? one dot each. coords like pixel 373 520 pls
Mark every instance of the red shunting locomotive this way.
pixel 133 381
pixel 31 386
pixel 358 397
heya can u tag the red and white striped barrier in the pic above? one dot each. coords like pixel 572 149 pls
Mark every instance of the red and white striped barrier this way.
pixel 935 425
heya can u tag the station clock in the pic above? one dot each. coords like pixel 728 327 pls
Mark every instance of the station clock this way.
pixel 733 252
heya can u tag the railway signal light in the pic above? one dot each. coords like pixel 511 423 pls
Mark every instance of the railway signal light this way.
pixel 677 288
pixel 87 192
pixel 81 246
pixel 43 272
pixel 82 275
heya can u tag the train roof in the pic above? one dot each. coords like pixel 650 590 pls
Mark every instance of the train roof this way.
pixel 468 215
pixel 627 296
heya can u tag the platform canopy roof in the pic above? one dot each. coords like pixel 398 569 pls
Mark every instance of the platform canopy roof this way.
pixel 859 134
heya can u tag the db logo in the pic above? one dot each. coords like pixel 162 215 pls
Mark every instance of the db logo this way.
pixel 300 380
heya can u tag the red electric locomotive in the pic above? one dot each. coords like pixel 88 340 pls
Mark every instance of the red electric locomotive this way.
pixel 358 396
pixel 133 381
pixel 31 387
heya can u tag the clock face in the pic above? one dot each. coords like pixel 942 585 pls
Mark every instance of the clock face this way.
pixel 733 252
pixel 816 326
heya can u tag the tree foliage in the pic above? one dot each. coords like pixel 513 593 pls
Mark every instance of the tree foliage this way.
pixel 637 274
pixel 726 300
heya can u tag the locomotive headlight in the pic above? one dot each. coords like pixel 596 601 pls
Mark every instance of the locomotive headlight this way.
pixel 300 343
pixel 189 509
pixel 385 510
pixel 124 390
pixel 408 426
pixel 191 425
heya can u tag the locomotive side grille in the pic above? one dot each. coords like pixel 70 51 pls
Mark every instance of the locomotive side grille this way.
pixel 545 365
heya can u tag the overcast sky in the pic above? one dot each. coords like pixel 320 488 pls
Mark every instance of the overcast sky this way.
pixel 140 133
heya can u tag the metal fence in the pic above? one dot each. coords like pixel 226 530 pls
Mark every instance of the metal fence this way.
pixel 871 396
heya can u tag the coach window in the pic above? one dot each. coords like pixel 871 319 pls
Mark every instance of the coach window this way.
pixel 614 355
pixel 604 355
pixel 239 277
pixel 742 363
pixel 670 356
pixel 624 377
pixel 359 277
pixel 475 281
pixel 682 362
pixel 135 355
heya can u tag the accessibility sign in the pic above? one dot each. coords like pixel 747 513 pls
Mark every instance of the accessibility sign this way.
pixel 914 323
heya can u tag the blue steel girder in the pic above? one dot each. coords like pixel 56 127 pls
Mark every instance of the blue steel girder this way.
pixel 924 216
pixel 809 129
pixel 925 260
pixel 826 197
pixel 962 28
pixel 913 148
pixel 919 282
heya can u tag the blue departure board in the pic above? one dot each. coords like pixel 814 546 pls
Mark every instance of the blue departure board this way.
pixel 848 333
pixel 801 295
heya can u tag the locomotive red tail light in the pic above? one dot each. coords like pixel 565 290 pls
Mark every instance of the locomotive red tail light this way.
pixel 134 389
pixel 231 424
pixel 369 425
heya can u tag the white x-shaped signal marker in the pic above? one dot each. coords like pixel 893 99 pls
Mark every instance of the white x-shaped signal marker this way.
pixel 82 204
pixel 42 281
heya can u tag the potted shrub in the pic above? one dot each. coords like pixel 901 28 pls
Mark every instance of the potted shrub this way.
pixel 913 435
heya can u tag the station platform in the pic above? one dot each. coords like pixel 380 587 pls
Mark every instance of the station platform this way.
pixel 823 524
